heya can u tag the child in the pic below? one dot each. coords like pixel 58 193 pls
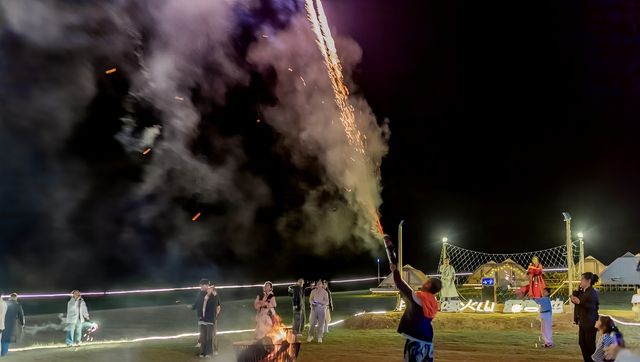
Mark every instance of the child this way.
pixel 546 316
pixel 609 336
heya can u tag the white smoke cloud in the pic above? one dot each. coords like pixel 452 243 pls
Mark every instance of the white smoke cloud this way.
pixel 309 121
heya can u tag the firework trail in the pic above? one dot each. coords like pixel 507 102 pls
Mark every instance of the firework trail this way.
pixel 326 44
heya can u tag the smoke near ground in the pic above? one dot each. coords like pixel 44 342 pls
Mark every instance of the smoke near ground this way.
pixel 77 187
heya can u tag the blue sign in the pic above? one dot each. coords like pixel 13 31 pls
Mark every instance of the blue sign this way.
pixel 488 282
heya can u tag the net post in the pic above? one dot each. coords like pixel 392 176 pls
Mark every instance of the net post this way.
pixel 570 262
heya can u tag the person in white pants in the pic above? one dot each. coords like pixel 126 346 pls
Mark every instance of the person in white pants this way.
pixel 546 318
pixel 319 299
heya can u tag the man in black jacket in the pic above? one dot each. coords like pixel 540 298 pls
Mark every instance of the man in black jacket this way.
pixel 197 303
pixel 297 297
pixel 586 314
pixel 207 319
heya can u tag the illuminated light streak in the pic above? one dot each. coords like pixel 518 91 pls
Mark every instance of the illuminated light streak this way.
pixel 109 71
pixel 633 324
pixel 146 150
pixel 196 217
pixel 303 81
pixel 179 98
pixel 164 290
pixel 162 338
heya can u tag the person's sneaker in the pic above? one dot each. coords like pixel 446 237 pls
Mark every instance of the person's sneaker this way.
pixel 215 353
pixel 201 355
pixel 310 339
pixel 319 340
pixel 198 345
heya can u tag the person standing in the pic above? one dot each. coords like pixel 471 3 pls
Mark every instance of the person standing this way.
pixel 536 280
pixel 77 313
pixel 448 277
pixel 197 303
pixel 586 314
pixel 319 300
pixel 265 305
pixel 328 309
pixel 207 317
pixel 13 322
pixel 297 298
pixel 421 308
pixel 3 312
pixel 546 318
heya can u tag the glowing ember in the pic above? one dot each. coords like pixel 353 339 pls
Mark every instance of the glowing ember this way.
pixel 146 150
pixel 196 217
pixel 109 71
pixel 179 98
pixel 303 81
pixel 258 120
pixel 289 69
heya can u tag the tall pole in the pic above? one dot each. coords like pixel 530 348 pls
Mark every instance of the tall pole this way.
pixel 581 262
pixel 399 300
pixel 378 270
pixel 570 263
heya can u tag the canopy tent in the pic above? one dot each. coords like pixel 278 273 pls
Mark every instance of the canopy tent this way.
pixel 622 271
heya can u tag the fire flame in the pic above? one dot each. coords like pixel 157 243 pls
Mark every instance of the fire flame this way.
pixel 279 332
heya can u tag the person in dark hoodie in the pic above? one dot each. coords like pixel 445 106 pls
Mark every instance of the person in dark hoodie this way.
pixel 197 303
pixel 207 317
pixel 297 298
pixel 586 314
pixel 421 308
pixel 14 320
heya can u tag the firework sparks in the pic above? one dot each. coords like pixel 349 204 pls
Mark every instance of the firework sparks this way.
pixel 109 71
pixel 196 216
pixel 304 83
pixel 326 44
pixel 179 98
pixel 146 150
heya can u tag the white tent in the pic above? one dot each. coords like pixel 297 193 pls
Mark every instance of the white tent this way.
pixel 414 277
pixel 622 271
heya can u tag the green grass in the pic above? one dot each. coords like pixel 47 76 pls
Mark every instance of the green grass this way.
pixel 459 337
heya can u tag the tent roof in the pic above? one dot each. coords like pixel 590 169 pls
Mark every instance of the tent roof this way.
pixel 415 277
pixel 623 270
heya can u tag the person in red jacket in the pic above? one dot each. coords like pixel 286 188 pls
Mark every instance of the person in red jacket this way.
pixel 536 284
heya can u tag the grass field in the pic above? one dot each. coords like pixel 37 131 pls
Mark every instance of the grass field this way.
pixel 459 337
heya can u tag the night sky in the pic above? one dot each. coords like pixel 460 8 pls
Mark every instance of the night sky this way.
pixel 502 115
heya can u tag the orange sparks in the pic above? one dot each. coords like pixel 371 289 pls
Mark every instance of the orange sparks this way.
pixel 179 98
pixel 196 217
pixel 109 71
pixel 146 150
pixel 289 69
pixel 326 44
pixel 303 82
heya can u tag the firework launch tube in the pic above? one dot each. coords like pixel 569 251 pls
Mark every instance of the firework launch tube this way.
pixel 392 252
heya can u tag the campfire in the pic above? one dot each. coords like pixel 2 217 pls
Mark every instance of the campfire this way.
pixel 279 345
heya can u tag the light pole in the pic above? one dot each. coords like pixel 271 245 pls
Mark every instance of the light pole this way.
pixel 378 270
pixel 581 262
pixel 570 272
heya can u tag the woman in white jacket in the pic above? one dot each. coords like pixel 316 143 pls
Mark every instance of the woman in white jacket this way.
pixel 77 314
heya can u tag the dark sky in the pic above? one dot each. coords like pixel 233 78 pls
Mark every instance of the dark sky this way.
pixel 502 114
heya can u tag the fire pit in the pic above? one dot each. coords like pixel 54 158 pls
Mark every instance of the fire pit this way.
pixel 266 351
